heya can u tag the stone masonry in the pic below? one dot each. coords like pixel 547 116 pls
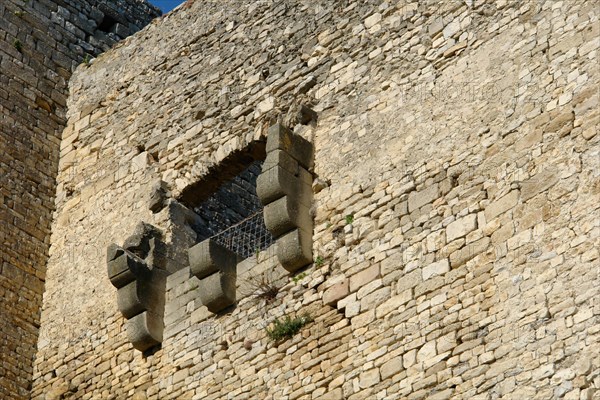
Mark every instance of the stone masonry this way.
pixel 454 210
pixel 41 43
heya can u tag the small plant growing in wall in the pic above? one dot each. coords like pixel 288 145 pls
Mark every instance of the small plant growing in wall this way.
pixel 87 59
pixel 287 327
pixel 349 219
pixel 261 287
pixel 257 253
pixel 18 45
pixel 299 277
pixel 19 13
pixel 319 261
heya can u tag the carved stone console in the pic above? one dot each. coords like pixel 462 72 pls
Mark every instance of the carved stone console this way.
pixel 215 267
pixel 285 189
pixel 137 270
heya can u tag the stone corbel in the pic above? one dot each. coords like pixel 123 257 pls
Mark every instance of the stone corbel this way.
pixel 137 270
pixel 285 189
pixel 215 267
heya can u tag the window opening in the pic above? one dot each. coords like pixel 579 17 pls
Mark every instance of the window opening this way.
pixel 232 216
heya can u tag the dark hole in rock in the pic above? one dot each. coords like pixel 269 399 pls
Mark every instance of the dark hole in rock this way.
pixel 108 24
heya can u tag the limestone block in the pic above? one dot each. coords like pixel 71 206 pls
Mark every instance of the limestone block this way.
pixel 437 268
pixel 363 277
pixel 277 182
pixel 418 199
pixel 336 292
pixel 135 271
pixel 286 214
pixel 282 138
pixel 157 199
pixel 144 330
pixel 217 291
pixel 279 158
pixel 124 269
pixel 426 352
pixel 502 205
pixel 294 250
pixel 539 183
pixel 139 295
pixel 461 227
pixel 208 257
pixel 468 252
pixel 391 367
pixel 146 244
pixel 130 303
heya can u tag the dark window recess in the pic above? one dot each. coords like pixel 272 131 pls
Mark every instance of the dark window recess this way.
pixel 108 24
pixel 232 215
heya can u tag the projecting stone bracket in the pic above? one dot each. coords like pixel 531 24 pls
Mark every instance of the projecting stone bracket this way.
pixel 285 189
pixel 215 267
pixel 137 271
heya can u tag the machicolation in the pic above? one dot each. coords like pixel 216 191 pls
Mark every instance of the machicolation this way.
pixel 333 200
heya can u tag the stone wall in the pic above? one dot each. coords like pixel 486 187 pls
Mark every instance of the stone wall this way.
pixel 41 42
pixel 455 202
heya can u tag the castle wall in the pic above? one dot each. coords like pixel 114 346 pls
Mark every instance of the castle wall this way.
pixel 455 203
pixel 40 44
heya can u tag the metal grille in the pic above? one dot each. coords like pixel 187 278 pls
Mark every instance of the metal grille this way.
pixel 246 238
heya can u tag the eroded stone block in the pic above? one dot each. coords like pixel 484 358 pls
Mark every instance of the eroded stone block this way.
pixel 277 182
pixel 294 250
pixel 124 269
pixel 136 272
pixel 282 138
pixel 209 257
pixel 138 296
pixel 217 291
pixel 286 214
pixel 279 158
pixel 145 330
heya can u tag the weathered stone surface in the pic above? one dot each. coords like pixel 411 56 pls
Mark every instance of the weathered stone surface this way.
pixel 280 158
pixel 282 138
pixel 124 269
pixel 335 293
pixel 461 227
pixel 208 257
pixel 130 301
pixel 468 252
pixel 34 79
pixel 144 330
pixel 400 111
pixel 294 249
pixel 538 183
pixel 436 268
pixel 277 182
pixel 418 199
pixel 391 367
pixel 286 214
pixel 502 205
pixel 217 291
pixel 364 277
